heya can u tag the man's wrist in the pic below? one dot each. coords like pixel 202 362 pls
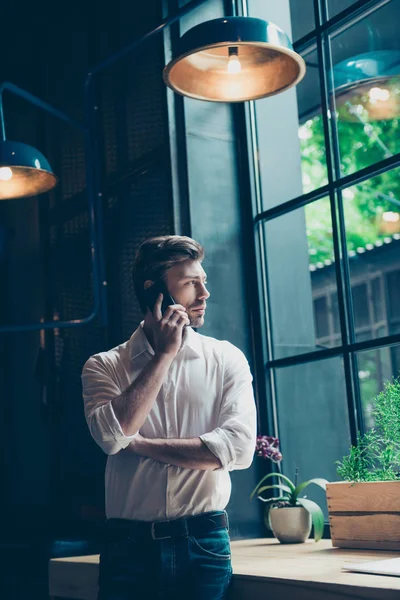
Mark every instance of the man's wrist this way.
pixel 164 357
pixel 138 443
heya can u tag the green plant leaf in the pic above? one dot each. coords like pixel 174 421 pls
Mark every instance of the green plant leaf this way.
pixel 277 486
pixel 376 456
pixel 316 514
pixel 290 484
pixel 369 198
pixel 273 499
pixel 318 481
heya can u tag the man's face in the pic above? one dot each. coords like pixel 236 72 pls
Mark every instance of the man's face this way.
pixel 186 283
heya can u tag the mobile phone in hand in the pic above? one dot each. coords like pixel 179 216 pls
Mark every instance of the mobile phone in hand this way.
pixel 154 291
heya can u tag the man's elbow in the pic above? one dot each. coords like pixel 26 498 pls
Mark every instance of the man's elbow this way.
pixel 109 447
pixel 108 444
pixel 215 465
pixel 243 460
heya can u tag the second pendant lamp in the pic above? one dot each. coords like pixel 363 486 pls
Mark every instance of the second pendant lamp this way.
pixel 234 59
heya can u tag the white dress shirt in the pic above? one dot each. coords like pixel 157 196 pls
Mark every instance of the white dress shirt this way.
pixel 207 393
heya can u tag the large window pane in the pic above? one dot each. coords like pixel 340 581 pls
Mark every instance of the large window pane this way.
pixel 366 81
pixel 291 153
pixel 336 6
pixel 302 18
pixel 295 17
pixel 302 284
pixel 291 140
pixel 375 367
pixel 393 299
pixel 372 221
pixel 313 420
pixel 311 131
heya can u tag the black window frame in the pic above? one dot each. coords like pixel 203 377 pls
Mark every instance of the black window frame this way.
pixel 320 37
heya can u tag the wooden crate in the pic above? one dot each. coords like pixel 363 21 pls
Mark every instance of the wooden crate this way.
pixel 365 515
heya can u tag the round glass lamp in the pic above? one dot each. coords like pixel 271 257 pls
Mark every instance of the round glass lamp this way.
pixel 24 171
pixel 368 86
pixel 234 59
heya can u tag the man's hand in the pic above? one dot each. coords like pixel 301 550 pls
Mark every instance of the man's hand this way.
pixel 167 328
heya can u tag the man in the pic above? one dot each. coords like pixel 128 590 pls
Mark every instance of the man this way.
pixel 174 410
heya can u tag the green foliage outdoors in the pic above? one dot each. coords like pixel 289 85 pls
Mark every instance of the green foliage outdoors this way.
pixel 376 457
pixel 361 145
pixel 290 496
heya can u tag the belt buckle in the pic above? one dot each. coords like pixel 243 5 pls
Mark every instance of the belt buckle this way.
pixel 153 533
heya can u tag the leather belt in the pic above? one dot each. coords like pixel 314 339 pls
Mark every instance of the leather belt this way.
pixel 198 525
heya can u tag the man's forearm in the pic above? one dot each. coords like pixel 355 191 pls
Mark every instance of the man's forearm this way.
pixel 134 404
pixel 190 453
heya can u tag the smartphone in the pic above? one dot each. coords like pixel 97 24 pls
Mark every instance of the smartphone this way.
pixel 154 291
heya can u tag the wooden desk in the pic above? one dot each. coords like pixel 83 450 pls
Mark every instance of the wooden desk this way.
pixel 310 571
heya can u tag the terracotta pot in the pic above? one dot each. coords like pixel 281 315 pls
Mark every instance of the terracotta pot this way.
pixel 290 525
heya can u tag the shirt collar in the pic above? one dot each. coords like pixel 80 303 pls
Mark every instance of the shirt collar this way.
pixel 191 339
pixel 139 343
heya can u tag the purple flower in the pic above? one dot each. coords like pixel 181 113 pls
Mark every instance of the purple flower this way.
pixel 268 447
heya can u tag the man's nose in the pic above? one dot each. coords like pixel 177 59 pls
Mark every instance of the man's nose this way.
pixel 204 293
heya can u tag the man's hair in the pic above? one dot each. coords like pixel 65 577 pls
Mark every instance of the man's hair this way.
pixel 158 254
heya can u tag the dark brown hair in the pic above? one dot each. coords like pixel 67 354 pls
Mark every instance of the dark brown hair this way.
pixel 158 254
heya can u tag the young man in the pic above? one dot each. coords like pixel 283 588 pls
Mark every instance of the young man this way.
pixel 175 412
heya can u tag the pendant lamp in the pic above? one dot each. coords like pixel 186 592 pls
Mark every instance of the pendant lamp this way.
pixel 24 171
pixel 367 86
pixel 234 59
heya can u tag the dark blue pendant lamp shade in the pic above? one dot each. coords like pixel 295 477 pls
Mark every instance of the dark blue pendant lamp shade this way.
pixel 24 171
pixel 367 86
pixel 234 59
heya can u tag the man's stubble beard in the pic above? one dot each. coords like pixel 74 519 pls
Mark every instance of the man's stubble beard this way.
pixel 196 321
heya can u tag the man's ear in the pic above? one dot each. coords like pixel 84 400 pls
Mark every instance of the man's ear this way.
pixel 148 283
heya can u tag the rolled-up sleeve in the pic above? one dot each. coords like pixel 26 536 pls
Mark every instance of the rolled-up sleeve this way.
pixel 99 389
pixel 233 441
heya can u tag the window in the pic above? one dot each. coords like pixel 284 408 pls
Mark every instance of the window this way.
pixel 300 261
pixel 309 396
pixel 337 6
pixel 301 18
pixel 374 368
pixel 327 209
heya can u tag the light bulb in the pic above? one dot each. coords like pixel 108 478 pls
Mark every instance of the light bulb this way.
pixel 5 173
pixel 234 65
pixel 377 94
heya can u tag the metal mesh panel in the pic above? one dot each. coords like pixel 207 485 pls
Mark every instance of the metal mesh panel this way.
pixel 135 183
pixel 137 204
pixel 141 210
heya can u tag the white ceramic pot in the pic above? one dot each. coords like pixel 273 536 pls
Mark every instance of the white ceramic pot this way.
pixel 290 525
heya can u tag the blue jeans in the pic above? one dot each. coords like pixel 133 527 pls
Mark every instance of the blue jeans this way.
pixel 180 568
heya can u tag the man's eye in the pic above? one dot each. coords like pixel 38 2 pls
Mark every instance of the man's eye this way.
pixel 195 282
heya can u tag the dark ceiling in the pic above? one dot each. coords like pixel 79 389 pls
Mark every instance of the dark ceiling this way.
pixel 56 45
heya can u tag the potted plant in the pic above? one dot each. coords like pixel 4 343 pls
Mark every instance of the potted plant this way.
pixel 289 514
pixel 364 510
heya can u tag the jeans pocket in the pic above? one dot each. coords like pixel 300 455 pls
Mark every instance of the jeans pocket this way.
pixel 215 544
